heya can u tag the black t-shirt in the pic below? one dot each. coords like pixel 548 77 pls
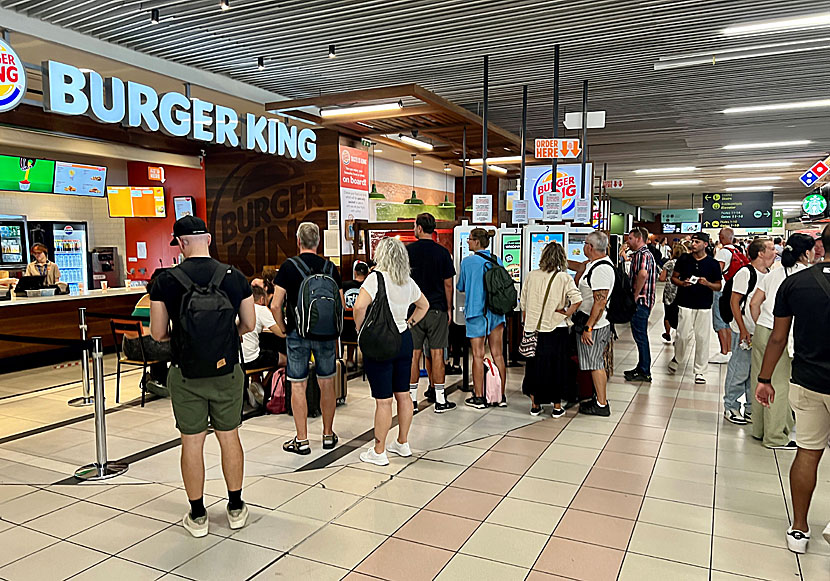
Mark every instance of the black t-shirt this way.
pixel 801 297
pixel 290 279
pixel 431 265
pixel 696 296
pixel 350 291
pixel 170 291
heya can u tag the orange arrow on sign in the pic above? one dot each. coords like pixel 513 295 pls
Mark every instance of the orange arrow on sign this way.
pixel 550 148
pixel 570 148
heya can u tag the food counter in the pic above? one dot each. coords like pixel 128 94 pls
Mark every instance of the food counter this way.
pixel 56 317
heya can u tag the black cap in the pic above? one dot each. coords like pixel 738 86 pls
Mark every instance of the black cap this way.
pixel 187 226
pixel 702 236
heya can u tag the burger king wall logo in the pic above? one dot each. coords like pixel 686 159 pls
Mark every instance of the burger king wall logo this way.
pixel 346 157
pixel 12 78
pixel 564 183
pixel 568 182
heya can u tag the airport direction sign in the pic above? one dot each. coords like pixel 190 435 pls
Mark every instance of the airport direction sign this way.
pixel 557 148
pixel 679 216
pixel 737 210
pixel 778 218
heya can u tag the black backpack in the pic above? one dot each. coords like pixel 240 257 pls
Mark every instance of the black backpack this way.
pixel 498 287
pixel 319 310
pixel 621 306
pixel 379 338
pixel 208 337
pixel 725 302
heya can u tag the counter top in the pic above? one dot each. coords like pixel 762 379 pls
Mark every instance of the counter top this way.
pixel 89 294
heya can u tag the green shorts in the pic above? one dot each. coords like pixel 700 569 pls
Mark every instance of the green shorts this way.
pixel 434 328
pixel 196 400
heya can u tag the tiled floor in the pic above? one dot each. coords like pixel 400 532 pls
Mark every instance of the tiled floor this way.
pixel 661 490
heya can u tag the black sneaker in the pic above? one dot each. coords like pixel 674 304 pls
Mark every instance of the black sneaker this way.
pixel 592 408
pixel 631 373
pixel 557 413
pixel 476 402
pixel 415 407
pixel 503 402
pixel 440 408
pixel 638 376
pixel 666 338
pixel 569 404
pixel 535 411
pixel 430 393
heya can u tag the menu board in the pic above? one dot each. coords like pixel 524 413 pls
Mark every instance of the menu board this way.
pixel 11 244
pixel 129 202
pixel 79 179
pixel 538 241
pixel 24 174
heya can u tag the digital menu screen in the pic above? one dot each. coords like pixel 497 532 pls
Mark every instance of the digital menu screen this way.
pixel 11 244
pixel 25 174
pixel 538 241
pixel 79 179
pixel 129 202
pixel 511 255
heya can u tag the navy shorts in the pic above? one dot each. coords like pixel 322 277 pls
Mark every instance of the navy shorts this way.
pixel 392 375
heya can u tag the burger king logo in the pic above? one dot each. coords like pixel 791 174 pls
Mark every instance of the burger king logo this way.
pixel 12 78
pixel 566 184
pixel 346 157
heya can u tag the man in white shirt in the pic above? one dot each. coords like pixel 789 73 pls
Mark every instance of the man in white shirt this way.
pixel 254 357
pixel 744 284
pixel 724 256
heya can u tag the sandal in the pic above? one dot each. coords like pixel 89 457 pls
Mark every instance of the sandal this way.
pixel 297 446
pixel 330 441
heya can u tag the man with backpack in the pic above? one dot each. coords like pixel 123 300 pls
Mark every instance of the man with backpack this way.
pixel 311 289
pixel 481 319
pixel 731 260
pixel 202 298
pixel 697 276
pixel 643 276
pixel 735 311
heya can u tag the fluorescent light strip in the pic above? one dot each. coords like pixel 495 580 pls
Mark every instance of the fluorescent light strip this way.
pixel 713 57
pixel 758 165
pixel 768 144
pixel 750 189
pixel 754 179
pixel 813 21
pixel 329 113
pixel 677 183
pixel 490 169
pixel 667 170
pixel 410 141
pixel 507 159
pixel 780 106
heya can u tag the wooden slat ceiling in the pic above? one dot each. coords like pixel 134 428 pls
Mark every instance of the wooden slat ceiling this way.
pixel 655 118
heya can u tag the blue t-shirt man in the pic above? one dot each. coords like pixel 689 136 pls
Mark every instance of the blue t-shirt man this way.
pixel 480 321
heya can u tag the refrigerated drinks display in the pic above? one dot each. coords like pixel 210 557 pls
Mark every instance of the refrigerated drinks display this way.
pixel 13 248
pixel 70 248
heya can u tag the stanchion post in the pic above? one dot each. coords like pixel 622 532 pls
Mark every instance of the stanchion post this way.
pixel 100 469
pixel 86 398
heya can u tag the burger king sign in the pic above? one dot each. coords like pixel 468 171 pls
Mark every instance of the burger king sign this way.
pixel 12 78
pixel 538 183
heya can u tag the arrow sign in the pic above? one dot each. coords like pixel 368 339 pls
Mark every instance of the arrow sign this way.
pixel 557 148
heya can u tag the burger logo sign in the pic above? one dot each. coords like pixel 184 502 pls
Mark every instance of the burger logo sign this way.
pixel 12 78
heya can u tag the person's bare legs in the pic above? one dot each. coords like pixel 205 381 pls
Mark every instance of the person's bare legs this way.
pixel 383 421
pixel 404 416
pixel 725 338
pixel 415 370
pixel 327 404
pixel 299 408
pixel 600 384
pixel 497 354
pixel 477 349
pixel 802 484
pixel 233 458
pixel 193 464
pixel 667 327
pixel 436 368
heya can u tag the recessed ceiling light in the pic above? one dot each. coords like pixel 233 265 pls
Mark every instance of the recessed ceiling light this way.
pixel 447 167
pixel 677 183
pixel 750 189
pixel 155 16
pixel 378 150
pixel 758 165
pixel 813 21
pixel 260 63
pixel 667 169
pixel 507 159
pixel 225 4
pixel 754 179
pixel 767 144
pixel 418 161
pixel 332 51
pixel 780 106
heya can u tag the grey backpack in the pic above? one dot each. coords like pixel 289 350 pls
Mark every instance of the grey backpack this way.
pixel 319 310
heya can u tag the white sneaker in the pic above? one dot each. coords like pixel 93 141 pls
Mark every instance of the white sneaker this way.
pixel 402 450
pixel 797 540
pixel 826 533
pixel 198 527
pixel 721 358
pixel 373 457
pixel 700 378
pixel 237 518
pixel 673 365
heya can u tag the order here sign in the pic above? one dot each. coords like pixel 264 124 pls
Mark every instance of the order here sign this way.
pixel 551 148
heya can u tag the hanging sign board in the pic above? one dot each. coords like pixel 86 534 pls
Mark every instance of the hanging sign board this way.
pixel 559 148
pixel 814 205
pixel 678 216
pixel 568 182
pixel 354 194
pixel 815 173
pixel 737 210
pixel 520 212
pixel 482 209
pixel 612 184
pixel 778 218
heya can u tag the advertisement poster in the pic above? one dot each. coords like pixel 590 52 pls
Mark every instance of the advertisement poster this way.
pixel 511 248
pixel 510 197
pixel 354 193
pixel 22 174
pixel 568 183
pixel 482 209
pixel 520 212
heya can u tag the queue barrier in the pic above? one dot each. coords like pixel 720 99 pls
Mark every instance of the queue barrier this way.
pixel 101 468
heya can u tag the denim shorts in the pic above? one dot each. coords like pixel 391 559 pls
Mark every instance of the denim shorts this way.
pixel 299 354
pixel 717 321
pixel 483 325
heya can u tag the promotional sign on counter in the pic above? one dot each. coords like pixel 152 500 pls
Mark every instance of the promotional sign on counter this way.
pixel 482 209
pixel 354 193
pixel 568 181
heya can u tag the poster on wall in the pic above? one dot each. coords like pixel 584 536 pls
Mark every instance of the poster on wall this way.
pixel 568 183
pixel 354 193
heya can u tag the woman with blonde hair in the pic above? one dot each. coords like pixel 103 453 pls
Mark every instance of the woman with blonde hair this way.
pixel 390 378
pixel 549 298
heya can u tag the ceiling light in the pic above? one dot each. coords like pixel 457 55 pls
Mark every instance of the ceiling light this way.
pixel 418 161
pixel 329 113
pixel 754 179
pixel 154 16
pixel 490 169
pixel 667 170
pixel 260 63
pixel 677 183
pixel 768 144
pixel 447 167
pixel 411 141
pixel 413 200
pixel 378 150
pixel 365 124
pixel 375 194
pixel 771 49
pixel 758 165
pixel 225 4
pixel 813 21
pixel 507 159
pixel 750 189
pixel 780 106
pixel 332 52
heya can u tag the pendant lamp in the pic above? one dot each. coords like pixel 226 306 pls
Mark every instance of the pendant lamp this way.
pixel 446 204
pixel 414 200
pixel 374 194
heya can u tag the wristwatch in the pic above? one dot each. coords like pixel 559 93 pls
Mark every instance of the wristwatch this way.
pixel 589 329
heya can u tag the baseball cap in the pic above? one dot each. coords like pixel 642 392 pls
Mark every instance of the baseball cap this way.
pixel 702 236
pixel 187 226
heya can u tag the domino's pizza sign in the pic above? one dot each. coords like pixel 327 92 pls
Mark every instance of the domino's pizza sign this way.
pixel 815 173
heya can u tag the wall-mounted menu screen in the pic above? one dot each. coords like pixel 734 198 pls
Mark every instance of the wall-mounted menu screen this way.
pixel 80 179
pixel 26 174
pixel 133 202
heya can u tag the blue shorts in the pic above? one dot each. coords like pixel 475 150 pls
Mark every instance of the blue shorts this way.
pixel 391 375
pixel 483 325
pixel 299 354
pixel 717 321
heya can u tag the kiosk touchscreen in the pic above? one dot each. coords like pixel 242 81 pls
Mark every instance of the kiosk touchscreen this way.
pixel 534 239
pixel 576 241
pixel 510 251
pixel 461 251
